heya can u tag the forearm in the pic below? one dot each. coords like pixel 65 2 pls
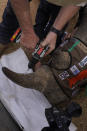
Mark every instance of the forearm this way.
pixel 65 14
pixel 22 11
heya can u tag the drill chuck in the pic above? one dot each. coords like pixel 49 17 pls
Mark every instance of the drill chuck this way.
pixel 32 62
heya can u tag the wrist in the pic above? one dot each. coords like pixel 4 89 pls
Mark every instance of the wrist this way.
pixel 56 31
pixel 30 34
pixel 28 30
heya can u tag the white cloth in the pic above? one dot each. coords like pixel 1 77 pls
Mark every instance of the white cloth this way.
pixel 26 106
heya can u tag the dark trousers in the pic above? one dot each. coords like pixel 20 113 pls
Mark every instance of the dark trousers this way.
pixel 45 17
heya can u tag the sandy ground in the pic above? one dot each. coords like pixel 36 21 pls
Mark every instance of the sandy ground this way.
pixel 81 122
pixel 2 6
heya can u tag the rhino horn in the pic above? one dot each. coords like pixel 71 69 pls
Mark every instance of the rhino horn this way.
pixel 25 80
pixel 36 80
pixel 21 79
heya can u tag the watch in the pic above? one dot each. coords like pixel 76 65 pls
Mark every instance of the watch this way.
pixel 56 31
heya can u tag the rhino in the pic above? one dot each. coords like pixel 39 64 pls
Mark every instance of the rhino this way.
pixel 56 79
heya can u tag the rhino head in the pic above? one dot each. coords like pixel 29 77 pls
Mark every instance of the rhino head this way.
pixel 43 79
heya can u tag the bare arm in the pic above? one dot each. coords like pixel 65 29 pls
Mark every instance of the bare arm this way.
pixel 65 14
pixel 22 11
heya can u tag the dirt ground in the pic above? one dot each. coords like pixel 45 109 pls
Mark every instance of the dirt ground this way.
pixel 2 6
pixel 80 122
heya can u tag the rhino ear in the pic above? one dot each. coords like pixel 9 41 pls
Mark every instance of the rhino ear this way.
pixel 25 80
pixel 61 60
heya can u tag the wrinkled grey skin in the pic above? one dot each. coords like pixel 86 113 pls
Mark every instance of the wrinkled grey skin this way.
pixel 43 79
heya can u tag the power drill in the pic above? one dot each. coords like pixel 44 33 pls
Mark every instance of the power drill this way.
pixel 40 52
pixel 37 54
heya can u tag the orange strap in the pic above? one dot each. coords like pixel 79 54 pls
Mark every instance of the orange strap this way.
pixel 79 77
pixel 15 34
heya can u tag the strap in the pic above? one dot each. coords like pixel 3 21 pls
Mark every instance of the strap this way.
pixel 56 31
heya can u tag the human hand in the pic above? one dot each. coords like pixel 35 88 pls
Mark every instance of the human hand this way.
pixel 50 40
pixel 29 40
